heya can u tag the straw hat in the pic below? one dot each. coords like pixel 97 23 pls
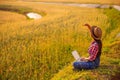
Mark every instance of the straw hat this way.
pixel 96 32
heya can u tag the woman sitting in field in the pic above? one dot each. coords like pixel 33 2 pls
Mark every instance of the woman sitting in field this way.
pixel 94 50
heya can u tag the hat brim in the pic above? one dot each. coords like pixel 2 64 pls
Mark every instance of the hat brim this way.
pixel 93 35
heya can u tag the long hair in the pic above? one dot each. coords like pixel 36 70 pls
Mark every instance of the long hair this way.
pixel 100 47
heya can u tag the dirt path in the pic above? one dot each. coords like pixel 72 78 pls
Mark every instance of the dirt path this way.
pixel 84 5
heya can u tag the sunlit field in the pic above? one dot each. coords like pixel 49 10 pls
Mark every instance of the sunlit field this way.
pixel 37 49
pixel 77 1
pixel 11 17
pixel 86 1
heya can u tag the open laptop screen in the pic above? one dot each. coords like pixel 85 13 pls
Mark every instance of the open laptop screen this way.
pixel 76 55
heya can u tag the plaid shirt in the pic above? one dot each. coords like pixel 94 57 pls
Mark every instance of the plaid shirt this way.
pixel 93 50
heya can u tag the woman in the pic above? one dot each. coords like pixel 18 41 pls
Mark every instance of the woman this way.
pixel 94 50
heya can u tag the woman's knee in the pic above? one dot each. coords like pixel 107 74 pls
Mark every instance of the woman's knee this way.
pixel 76 64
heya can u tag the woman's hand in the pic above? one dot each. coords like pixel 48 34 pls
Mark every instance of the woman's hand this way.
pixel 84 59
pixel 88 26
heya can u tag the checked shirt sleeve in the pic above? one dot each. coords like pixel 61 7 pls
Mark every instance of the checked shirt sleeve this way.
pixel 93 50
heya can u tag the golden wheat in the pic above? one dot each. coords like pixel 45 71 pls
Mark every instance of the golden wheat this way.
pixel 36 49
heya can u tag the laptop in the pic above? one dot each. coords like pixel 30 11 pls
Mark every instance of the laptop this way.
pixel 76 55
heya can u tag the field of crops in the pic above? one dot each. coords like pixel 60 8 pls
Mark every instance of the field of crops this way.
pixel 78 1
pixel 36 49
pixel 86 1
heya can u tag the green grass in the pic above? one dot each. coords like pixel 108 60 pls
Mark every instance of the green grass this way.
pixel 19 9
pixel 114 18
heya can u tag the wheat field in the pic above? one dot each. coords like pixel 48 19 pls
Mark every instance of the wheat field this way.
pixel 76 1
pixel 36 49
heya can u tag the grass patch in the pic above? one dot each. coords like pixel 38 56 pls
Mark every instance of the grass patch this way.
pixel 114 18
pixel 19 9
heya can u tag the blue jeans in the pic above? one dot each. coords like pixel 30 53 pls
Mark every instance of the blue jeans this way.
pixel 87 65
